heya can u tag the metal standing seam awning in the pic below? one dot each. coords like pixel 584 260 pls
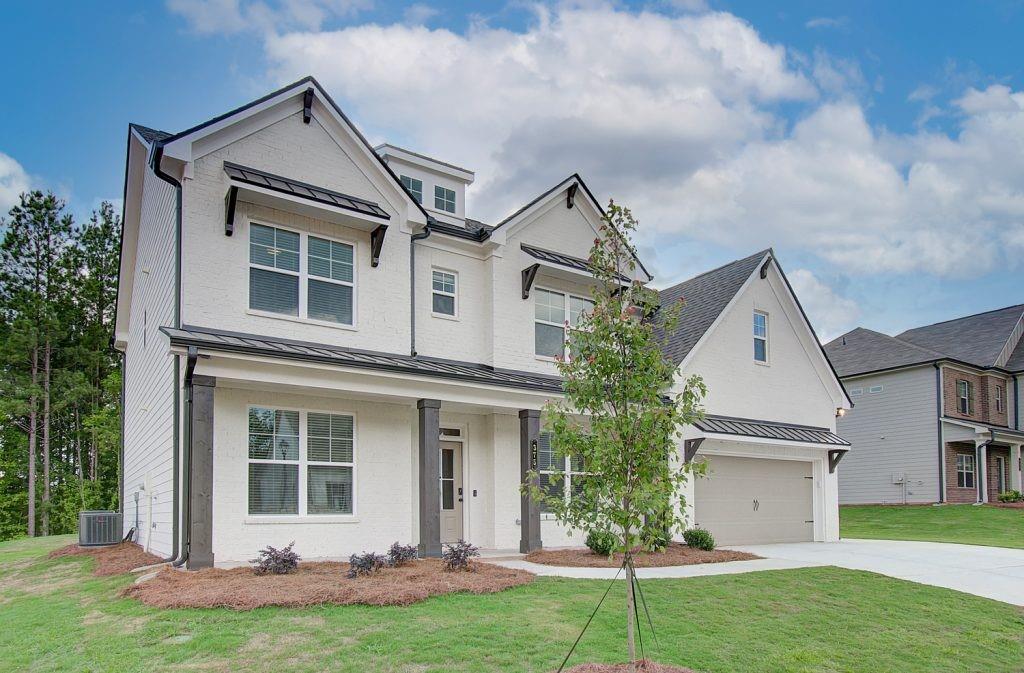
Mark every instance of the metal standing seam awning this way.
pixel 557 264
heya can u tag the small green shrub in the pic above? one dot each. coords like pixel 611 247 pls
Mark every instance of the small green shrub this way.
pixel 699 538
pixel 601 542
pixel 661 541
pixel 1011 496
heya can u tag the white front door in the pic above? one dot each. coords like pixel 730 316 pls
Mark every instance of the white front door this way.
pixel 451 491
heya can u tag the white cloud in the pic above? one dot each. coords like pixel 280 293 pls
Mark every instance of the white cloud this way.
pixel 13 181
pixel 418 14
pixel 826 22
pixel 235 16
pixel 829 313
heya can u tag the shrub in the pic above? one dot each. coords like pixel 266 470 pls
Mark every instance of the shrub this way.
pixel 699 538
pixel 400 554
pixel 366 563
pixel 272 561
pixel 661 541
pixel 601 542
pixel 456 556
pixel 1011 496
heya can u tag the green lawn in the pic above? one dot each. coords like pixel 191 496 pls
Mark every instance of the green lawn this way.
pixel 966 524
pixel 56 616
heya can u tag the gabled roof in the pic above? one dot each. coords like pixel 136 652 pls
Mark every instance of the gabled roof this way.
pixel 148 134
pixel 864 350
pixel 976 339
pixel 704 298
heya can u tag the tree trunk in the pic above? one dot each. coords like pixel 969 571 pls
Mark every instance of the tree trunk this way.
pixel 630 612
pixel 47 356
pixel 32 425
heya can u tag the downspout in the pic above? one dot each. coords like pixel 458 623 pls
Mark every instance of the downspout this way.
pixel 942 443
pixel 412 284
pixel 120 448
pixel 190 368
pixel 176 549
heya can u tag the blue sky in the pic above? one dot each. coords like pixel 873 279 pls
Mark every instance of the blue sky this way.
pixel 878 146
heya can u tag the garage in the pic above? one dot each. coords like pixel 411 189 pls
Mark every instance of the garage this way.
pixel 755 500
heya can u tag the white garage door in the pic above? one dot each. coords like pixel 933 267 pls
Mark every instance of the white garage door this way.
pixel 756 500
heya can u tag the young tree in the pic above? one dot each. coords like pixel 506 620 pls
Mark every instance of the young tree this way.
pixel 617 420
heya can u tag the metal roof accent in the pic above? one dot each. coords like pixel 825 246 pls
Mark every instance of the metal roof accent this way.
pixel 746 427
pixel 253 176
pixel 252 344
pixel 560 259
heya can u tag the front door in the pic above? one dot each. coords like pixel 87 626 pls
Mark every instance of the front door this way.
pixel 451 491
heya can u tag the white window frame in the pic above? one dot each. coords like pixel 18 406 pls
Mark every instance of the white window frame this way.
pixel 443 199
pixel 413 191
pixel 964 398
pixel 303 462
pixel 454 295
pixel 962 472
pixel 999 399
pixel 874 390
pixel 767 352
pixel 304 278
pixel 567 476
pixel 566 327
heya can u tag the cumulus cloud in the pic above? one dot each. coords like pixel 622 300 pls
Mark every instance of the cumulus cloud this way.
pixel 829 313
pixel 235 16
pixel 13 181
pixel 418 14
pixel 826 22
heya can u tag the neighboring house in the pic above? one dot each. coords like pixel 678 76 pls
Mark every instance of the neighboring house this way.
pixel 320 346
pixel 938 416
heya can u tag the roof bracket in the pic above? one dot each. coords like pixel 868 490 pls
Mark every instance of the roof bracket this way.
pixel 307 106
pixel 764 267
pixel 529 275
pixel 690 448
pixel 570 194
pixel 834 456
pixel 377 243
pixel 229 210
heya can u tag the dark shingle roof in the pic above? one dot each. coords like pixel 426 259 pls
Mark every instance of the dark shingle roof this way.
pixel 746 427
pixel 704 298
pixel 150 135
pixel 976 339
pixel 864 350
pixel 1016 361
pixel 235 342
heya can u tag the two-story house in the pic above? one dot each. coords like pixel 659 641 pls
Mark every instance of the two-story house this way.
pixel 938 416
pixel 321 347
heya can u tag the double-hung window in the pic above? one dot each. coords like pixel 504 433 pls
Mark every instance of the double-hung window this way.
pixel 999 399
pixel 301 275
pixel 414 186
pixel 300 463
pixel 964 470
pixel 569 471
pixel 963 395
pixel 760 336
pixel 444 199
pixel 552 332
pixel 443 290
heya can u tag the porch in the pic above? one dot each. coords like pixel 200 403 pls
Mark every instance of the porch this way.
pixel 980 461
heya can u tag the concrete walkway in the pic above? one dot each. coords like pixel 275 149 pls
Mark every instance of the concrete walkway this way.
pixel 990 572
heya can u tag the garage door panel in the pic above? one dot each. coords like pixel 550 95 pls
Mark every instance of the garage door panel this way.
pixel 755 500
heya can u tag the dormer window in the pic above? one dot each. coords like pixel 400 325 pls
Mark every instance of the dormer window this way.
pixel 444 199
pixel 760 337
pixel 414 186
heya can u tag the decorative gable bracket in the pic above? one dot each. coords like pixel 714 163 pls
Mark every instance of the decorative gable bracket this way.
pixel 690 448
pixel 377 243
pixel 529 275
pixel 230 199
pixel 570 194
pixel 834 456
pixel 307 106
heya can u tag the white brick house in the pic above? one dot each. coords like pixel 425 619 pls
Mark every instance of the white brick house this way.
pixel 320 346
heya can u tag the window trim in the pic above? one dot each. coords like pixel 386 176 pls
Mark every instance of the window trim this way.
pixel 453 295
pixel 765 339
pixel 444 199
pixel 567 295
pixel 402 178
pixel 965 398
pixel 304 277
pixel 567 476
pixel 964 472
pixel 303 463
pixel 999 399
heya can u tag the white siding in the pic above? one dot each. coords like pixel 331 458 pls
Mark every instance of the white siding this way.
pixel 892 431
pixel 149 373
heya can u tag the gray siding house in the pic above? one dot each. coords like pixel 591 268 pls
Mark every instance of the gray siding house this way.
pixel 938 410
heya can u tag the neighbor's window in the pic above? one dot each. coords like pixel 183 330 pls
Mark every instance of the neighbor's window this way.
pixel 414 186
pixel 281 458
pixel 964 470
pixel 322 289
pixel 570 467
pixel 443 286
pixel 963 394
pixel 550 325
pixel 444 199
pixel 999 398
pixel 760 336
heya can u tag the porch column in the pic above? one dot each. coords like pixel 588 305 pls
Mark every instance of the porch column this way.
pixel 529 433
pixel 200 510
pixel 982 468
pixel 430 487
pixel 1015 475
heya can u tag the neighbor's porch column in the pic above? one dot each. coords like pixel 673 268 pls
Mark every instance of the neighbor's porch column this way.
pixel 1015 475
pixel 200 550
pixel 529 433
pixel 430 488
pixel 981 466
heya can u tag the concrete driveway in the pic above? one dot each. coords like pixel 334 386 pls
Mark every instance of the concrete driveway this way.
pixel 990 572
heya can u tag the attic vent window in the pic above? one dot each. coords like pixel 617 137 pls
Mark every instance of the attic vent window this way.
pixel 414 186
pixel 444 199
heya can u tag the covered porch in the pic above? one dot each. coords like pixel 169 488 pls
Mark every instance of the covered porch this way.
pixel 980 461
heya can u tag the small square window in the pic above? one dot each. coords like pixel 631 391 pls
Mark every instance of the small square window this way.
pixel 444 199
pixel 414 186
pixel 443 299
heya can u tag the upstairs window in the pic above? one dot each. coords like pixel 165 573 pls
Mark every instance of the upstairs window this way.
pixel 443 286
pixel 414 186
pixel 444 199
pixel 550 324
pixel 964 394
pixel 760 336
pixel 274 270
pixel 964 470
pixel 330 284
pixel 999 399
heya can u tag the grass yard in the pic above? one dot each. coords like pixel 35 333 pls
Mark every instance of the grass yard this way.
pixel 966 524
pixel 57 616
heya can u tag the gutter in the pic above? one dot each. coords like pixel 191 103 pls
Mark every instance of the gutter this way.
pixel 178 553
pixel 412 281
pixel 190 368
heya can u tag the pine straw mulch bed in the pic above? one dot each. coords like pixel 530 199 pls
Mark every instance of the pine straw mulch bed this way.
pixel 675 554
pixel 642 666
pixel 320 583
pixel 111 560
pixel 1008 505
